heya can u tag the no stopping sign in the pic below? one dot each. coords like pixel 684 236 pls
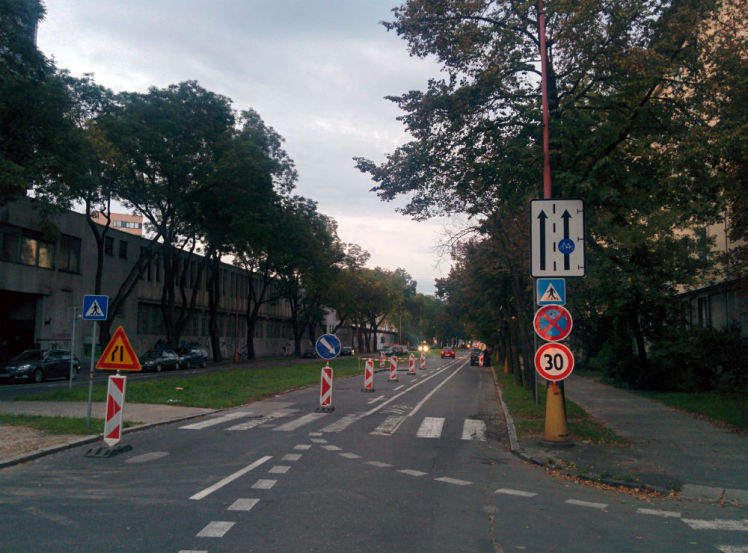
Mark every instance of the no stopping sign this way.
pixel 554 361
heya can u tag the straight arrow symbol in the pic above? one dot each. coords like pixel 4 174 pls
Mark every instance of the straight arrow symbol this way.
pixel 565 216
pixel 542 216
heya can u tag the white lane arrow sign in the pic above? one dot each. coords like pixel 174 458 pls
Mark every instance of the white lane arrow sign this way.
pixel 557 238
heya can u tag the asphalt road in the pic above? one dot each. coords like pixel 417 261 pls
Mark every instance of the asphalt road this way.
pixel 421 465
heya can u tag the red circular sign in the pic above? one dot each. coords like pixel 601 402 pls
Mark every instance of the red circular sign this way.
pixel 554 361
pixel 552 323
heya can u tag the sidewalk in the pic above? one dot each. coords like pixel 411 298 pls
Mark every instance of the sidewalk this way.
pixel 670 449
pixel 18 444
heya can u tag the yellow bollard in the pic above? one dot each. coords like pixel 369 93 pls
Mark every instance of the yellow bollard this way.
pixel 506 365
pixel 555 420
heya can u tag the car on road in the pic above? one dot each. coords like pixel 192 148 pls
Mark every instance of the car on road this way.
pixel 448 352
pixel 35 365
pixel 345 350
pixel 159 360
pixel 475 357
pixel 194 356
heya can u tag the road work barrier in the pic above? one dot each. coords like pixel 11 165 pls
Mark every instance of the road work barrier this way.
pixel 393 369
pixel 369 376
pixel 423 360
pixel 382 360
pixel 325 391
pixel 412 365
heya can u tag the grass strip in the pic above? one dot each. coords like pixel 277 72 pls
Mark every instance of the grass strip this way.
pixel 529 419
pixel 710 405
pixel 57 425
pixel 216 390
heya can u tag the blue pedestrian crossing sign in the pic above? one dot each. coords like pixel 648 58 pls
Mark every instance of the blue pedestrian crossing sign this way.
pixel 551 291
pixel 95 308
pixel 328 346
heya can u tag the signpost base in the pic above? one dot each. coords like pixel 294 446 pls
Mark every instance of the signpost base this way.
pixel 104 452
pixel 556 431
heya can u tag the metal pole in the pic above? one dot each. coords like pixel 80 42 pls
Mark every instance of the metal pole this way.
pixel 72 348
pixel 91 374
pixel 544 85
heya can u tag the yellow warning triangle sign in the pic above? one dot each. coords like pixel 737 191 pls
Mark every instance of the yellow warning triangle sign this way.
pixel 118 354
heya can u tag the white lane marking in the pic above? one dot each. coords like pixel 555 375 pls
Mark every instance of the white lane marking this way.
pixel 298 423
pixel 518 493
pixel 262 420
pixel 431 427
pixel 291 457
pixel 331 447
pixel 318 441
pixel 474 429
pixel 279 469
pixel 379 464
pixel 400 387
pixel 413 472
pixel 717 524
pixel 145 457
pixel 243 504
pixel 315 434
pixel 216 529
pixel 733 548
pixel 432 392
pixel 342 424
pixel 191 551
pixel 396 396
pixel 221 483
pixel 350 455
pixel 302 447
pixel 455 481
pixel 216 420
pixel 658 513
pixel 380 398
pixel 589 504
pixel 263 484
pixel 388 427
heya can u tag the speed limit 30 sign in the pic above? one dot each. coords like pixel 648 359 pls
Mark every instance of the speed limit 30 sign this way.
pixel 554 361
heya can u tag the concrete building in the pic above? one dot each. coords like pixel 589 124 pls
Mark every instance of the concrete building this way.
pixel 131 224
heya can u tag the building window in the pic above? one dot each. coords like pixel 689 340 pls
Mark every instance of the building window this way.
pixel 123 249
pixel 69 258
pixel 26 247
pixel 126 224
pixel 109 245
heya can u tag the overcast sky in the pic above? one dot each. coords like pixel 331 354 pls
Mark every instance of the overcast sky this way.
pixel 316 71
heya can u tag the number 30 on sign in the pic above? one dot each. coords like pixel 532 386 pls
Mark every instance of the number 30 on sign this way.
pixel 554 361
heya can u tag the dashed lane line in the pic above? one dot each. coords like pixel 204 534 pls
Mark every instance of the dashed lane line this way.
pixel 263 484
pixel 216 529
pixel 455 481
pixel 411 472
pixel 238 474
pixel 518 493
pixel 659 513
pixel 279 469
pixel 591 505
pixel 291 457
pixel 243 504
pixel 717 524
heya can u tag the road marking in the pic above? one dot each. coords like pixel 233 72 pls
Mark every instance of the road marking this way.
pixel 432 392
pixel 291 457
pixel 380 398
pixel 589 504
pixel 431 427
pixel 413 472
pixel 400 387
pixel 216 529
pixel 658 513
pixel 331 448
pixel 388 427
pixel 279 469
pixel 263 484
pixel 145 457
pixel 733 548
pixel 262 420
pixel 318 441
pixel 519 493
pixel 350 455
pixel 216 420
pixel 379 464
pixel 191 551
pixel 302 447
pixel 301 421
pixel 454 481
pixel 243 505
pixel 342 424
pixel 221 483
pixel 717 524
pixel 396 396
pixel 315 434
pixel 474 429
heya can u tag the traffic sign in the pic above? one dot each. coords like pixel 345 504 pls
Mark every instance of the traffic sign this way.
pixel 328 346
pixel 557 238
pixel 95 308
pixel 115 401
pixel 552 323
pixel 118 354
pixel 554 361
pixel 551 291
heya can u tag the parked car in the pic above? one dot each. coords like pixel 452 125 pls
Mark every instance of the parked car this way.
pixel 159 360
pixel 448 352
pixel 475 357
pixel 35 365
pixel 193 357
pixel 346 350
pixel 309 353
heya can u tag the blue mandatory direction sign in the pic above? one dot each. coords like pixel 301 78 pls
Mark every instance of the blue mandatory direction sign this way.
pixel 328 346
pixel 551 291
pixel 95 308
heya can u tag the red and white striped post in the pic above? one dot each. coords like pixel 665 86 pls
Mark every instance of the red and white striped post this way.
pixel 480 359
pixel 368 376
pixel 382 360
pixel 412 364
pixel 393 369
pixel 325 390
pixel 423 360
pixel 115 401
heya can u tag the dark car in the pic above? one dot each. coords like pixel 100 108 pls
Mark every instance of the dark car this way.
pixel 35 365
pixel 345 350
pixel 159 360
pixel 448 352
pixel 193 357
pixel 475 357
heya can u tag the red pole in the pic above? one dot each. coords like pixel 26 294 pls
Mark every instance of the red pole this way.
pixel 544 85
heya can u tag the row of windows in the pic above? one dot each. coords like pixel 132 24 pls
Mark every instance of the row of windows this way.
pixel 29 248
pixel 126 224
